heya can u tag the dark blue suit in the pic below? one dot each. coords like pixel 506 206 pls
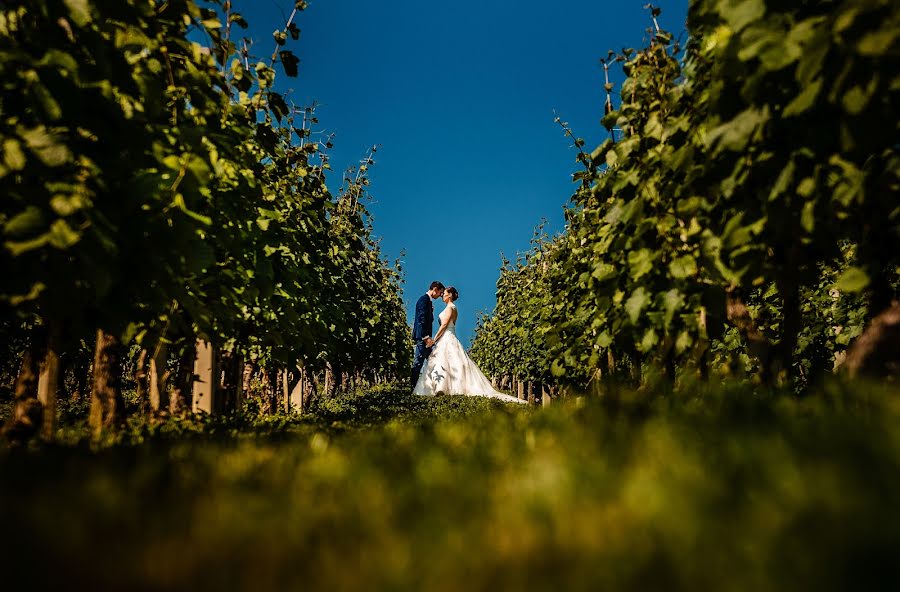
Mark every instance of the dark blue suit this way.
pixel 422 324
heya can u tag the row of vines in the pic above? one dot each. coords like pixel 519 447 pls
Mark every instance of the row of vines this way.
pixel 742 219
pixel 160 195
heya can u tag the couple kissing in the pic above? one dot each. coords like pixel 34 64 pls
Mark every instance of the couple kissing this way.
pixel 441 365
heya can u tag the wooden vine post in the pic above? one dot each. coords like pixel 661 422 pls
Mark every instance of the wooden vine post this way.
pixel 48 381
pixel 205 397
pixel 107 405
pixel 158 378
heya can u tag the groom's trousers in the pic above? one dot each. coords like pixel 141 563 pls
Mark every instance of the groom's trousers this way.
pixel 419 357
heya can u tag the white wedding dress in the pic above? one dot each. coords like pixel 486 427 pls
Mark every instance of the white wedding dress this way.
pixel 450 371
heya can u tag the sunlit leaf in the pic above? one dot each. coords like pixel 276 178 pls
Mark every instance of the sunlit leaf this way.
pixel 853 279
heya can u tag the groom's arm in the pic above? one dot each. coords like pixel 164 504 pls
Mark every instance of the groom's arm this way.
pixel 419 329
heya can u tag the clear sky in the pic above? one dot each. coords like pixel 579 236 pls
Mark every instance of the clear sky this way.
pixel 460 98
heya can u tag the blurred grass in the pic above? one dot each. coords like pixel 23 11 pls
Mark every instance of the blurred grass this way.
pixel 719 489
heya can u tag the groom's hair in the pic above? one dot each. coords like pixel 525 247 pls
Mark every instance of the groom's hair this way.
pixel 437 285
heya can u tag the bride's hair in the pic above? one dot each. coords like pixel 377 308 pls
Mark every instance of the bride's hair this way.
pixel 454 294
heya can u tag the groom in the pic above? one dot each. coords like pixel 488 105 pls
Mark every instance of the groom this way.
pixel 422 324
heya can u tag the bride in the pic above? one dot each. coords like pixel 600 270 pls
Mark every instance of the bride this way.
pixel 449 370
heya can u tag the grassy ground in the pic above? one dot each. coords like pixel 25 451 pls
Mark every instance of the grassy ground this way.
pixel 722 490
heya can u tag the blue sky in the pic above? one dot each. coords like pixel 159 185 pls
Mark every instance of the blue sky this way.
pixel 460 98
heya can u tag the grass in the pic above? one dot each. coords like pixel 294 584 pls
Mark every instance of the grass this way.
pixel 721 489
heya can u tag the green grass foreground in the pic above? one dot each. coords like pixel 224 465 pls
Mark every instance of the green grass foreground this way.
pixel 382 490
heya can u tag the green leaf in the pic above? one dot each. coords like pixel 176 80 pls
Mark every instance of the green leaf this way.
pixel 238 19
pixel 649 340
pixel 784 180
pixel 640 262
pixel 25 223
pixel 41 96
pixel 734 135
pixel 603 271
pixel 846 18
pixel 32 294
pixel 682 267
pixel 13 156
pixel 131 332
pixel 809 66
pixel 66 205
pixel 604 339
pixel 59 59
pixel 636 303
pixel 277 105
pixel 803 101
pixel 269 214
pixel 686 207
pixel 653 128
pixel 877 43
pixel 683 341
pixel 80 11
pixel 743 13
pixel 808 216
pixel 61 235
pixel 609 120
pixel 850 181
pixel 672 301
pixel 856 99
pixel 172 161
pixel 852 280
pixel 557 369
pixel 806 187
pixel 612 158
pixel 19 247
pixel 290 62
pixel 46 146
